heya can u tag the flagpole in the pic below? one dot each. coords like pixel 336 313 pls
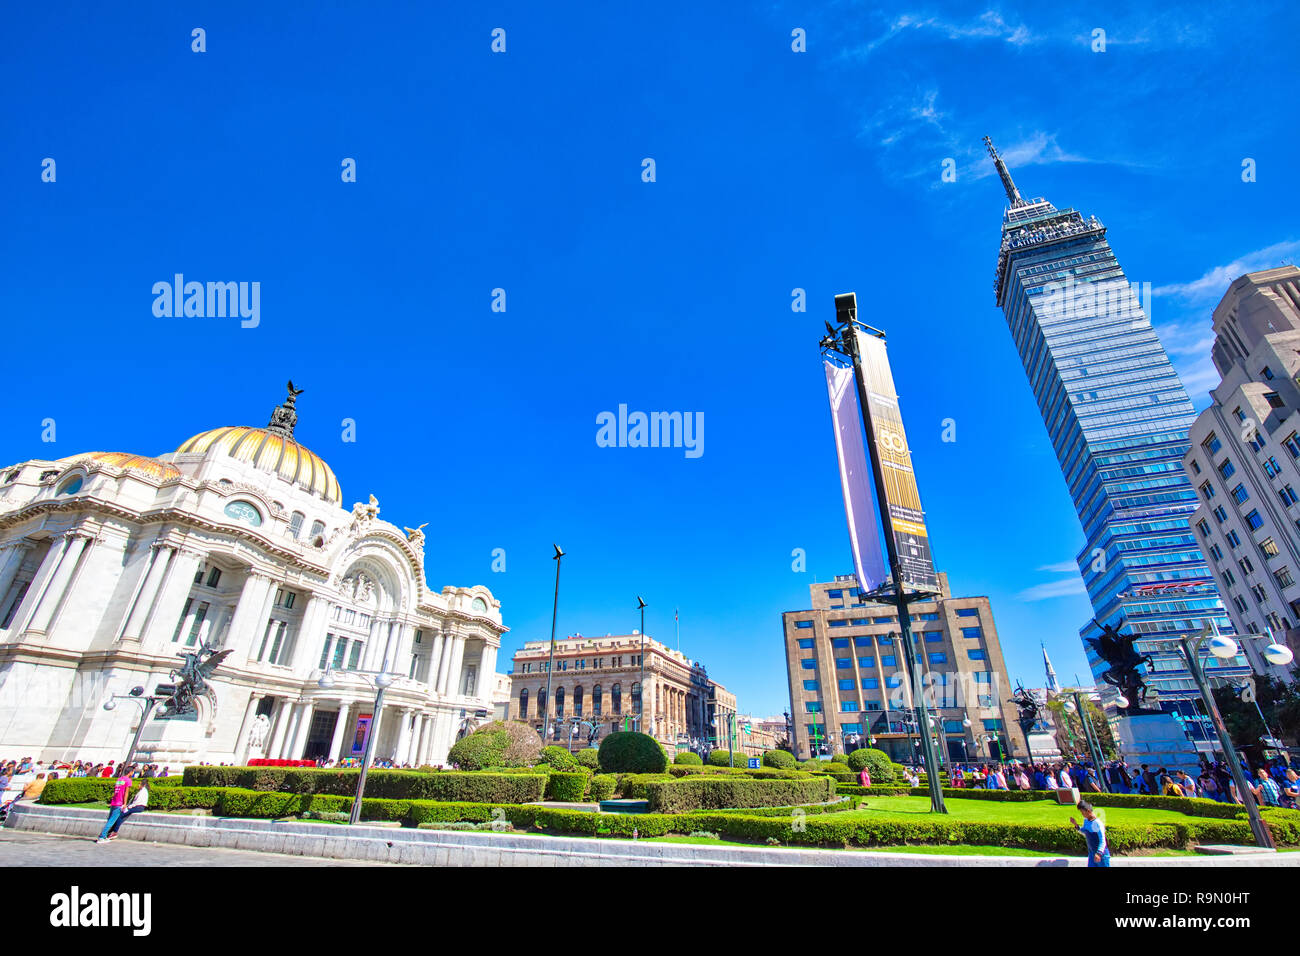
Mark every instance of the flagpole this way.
pixel 546 711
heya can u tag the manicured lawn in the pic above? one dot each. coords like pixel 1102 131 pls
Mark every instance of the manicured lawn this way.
pixel 1034 811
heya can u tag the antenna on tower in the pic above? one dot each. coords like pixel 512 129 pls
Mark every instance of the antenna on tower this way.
pixel 1004 174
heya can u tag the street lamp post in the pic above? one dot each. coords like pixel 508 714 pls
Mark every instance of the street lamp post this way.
pixel 1089 733
pixel 550 664
pixel 147 704
pixel 1222 648
pixel 640 697
pixel 382 680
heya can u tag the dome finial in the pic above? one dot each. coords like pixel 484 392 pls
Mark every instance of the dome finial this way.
pixel 284 417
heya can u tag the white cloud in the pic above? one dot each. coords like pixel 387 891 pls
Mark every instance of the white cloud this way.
pixel 1066 587
pixel 1210 287
pixel 1062 567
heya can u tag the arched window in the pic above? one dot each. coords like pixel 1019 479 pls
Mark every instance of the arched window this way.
pixel 541 703
pixel 596 700
pixel 523 704
pixel 295 523
pixel 577 700
pixel 616 698
pixel 559 702
pixel 636 698
pixel 317 529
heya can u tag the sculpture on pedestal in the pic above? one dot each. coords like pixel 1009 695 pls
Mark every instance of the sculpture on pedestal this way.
pixel 1118 650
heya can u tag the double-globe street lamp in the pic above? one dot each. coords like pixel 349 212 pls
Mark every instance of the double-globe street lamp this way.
pixel 382 680
pixel 147 704
pixel 1224 648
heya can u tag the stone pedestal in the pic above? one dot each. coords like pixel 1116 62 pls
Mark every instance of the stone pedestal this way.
pixel 1156 740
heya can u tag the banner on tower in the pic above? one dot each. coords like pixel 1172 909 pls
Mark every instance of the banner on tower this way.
pixel 906 518
pixel 856 479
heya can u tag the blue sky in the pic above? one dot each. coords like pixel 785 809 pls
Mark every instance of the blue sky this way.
pixel 775 170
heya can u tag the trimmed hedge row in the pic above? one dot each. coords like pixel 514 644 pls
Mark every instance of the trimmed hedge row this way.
pixel 819 827
pixel 477 787
pixel 170 796
pixel 713 793
pixel 563 787
pixel 762 773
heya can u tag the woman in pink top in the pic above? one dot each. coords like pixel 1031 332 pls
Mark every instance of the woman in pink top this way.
pixel 116 804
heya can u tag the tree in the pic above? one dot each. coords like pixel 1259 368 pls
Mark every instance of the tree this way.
pixel 1279 701
pixel 1070 737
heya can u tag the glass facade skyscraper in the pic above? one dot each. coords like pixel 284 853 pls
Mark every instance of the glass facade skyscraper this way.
pixel 1118 418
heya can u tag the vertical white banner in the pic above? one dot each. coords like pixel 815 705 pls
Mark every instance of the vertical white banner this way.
pixel 856 478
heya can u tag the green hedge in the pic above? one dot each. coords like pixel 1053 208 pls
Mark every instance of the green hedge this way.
pixel 723 758
pixel 170 796
pixel 564 787
pixel 687 759
pixel 559 759
pixel 452 786
pixel 779 760
pixel 602 787
pixel 696 793
pixel 626 751
pixel 632 786
pixel 589 758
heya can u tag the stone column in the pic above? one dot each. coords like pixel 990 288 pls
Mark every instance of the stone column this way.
pixel 52 596
pixel 171 597
pixel 146 593
pixel 340 731
pixel 12 560
pixel 241 742
pixel 373 658
pixel 243 623
pixel 435 660
pixel 444 662
pixel 457 663
pixel 403 634
pixel 309 629
pixel 403 735
pixel 283 715
pixel 303 729
pixel 486 669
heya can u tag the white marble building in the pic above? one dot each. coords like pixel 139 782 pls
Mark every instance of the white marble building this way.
pixel 112 564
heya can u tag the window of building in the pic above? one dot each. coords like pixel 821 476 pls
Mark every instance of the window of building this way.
pixel 1226 468
pixel 882 620
pixel 1216 552
pixel 835 595
pixel 839 642
pixel 870 683
pixel 1254 520
pixel 1284 578
pixel 1234 541
pixel 1203 528
pixel 938 657
pixel 992 723
pixel 1240 494
pixel 1267 373
pixel 1229 578
pixel 1212 444
pixel 1240 603
pixel 866 662
pixel 523 704
pixel 354 655
pixel 862 642
pixel 953 727
pixel 812 706
pixel 1258 591
pixel 972 633
pixel 811 685
pixel 933 637
pixel 1288 496
pixel 1196 468
pixel 846 683
pixel 842 663
pixel 840 623
pixel 295 523
pixel 1274 400
pixel 1219 514
pixel 803 624
pixel 284 599
pixel 871 705
pixel 848 707
pixel 894 680
pixel 968 612
pixel 1269 547
pixel 850 728
pixel 806 643
pixel 885 639
pixel 1271 467
pixel 983 677
pixel 888 660
pixel 1245 564
pixel 808 664
pixel 977 654
pixel 1292 444
pixel 928 616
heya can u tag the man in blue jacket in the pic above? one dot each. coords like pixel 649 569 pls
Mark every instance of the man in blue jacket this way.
pixel 1095 833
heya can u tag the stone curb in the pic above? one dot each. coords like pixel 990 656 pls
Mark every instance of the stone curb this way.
pixel 464 848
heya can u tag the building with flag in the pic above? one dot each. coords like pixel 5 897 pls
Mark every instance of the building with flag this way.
pixel 1118 418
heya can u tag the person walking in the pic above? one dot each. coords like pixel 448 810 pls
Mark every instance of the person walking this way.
pixel 116 806
pixel 1095 833
pixel 1266 791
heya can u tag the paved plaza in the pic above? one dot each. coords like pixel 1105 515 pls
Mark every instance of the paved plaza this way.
pixel 19 848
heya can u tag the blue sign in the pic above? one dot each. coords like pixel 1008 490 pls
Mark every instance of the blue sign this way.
pixel 753 763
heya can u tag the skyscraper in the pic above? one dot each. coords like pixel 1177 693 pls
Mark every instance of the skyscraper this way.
pixel 1118 418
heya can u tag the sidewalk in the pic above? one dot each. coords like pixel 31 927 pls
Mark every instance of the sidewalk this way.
pixel 459 848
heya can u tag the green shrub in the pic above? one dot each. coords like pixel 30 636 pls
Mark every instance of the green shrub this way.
pixel 589 758
pixel 687 759
pixel 722 758
pixel 813 766
pixel 876 763
pixel 626 751
pixel 564 787
pixel 601 787
pixel 832 766
pixel 559 759
pixel 498 744
pixel 393 784
pixel 632 786
pixel 695 793
pixel 779 760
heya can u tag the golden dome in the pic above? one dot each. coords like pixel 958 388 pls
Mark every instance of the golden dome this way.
pixel 268 450
pixel 152 467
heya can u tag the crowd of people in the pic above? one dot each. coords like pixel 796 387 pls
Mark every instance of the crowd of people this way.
pixel 1274 784
pixel 26 778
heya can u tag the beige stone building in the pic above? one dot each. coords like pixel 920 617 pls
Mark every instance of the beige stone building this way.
pixel 848 683
pixel 595 689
